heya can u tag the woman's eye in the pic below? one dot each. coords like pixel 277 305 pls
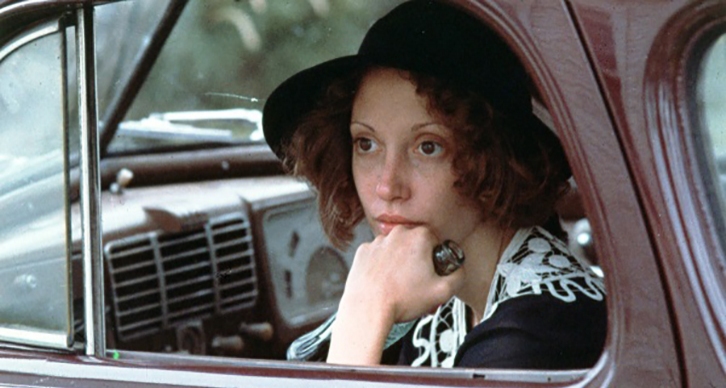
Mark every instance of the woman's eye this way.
pixel 430 148
pixel 364 144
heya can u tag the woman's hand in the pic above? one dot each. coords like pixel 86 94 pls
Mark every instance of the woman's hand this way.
pixel 392 280
pixel 396 273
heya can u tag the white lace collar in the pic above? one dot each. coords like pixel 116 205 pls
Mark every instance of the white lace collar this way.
pixel 533 262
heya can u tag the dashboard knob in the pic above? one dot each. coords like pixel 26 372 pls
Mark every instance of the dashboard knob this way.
pixel 231 344
pixel 123 179
pixel 262 331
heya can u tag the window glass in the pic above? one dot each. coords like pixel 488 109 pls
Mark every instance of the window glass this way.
pixel 713 95
pixel 122 31
pixel 712 109
pixel 34 294
pixel 224 57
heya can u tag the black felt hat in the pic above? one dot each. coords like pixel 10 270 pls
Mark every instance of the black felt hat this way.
pixel 423 36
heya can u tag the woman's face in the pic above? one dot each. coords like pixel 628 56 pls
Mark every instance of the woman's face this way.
pixel 402 161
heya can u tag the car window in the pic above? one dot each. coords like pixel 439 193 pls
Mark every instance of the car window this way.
pixel 34 282
pixel 223 58
pixel 209 85
pixel 711 100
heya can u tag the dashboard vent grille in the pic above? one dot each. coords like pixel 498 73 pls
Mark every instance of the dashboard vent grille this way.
pixel 159 281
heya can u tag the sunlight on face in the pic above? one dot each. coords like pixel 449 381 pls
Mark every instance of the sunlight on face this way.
pixel 402 160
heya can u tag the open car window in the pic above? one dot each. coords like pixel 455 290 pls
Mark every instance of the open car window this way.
pixel 206 89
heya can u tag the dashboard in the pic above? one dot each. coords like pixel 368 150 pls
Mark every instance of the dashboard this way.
pixel 234 267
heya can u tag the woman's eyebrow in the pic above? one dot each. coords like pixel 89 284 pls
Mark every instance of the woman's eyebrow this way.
pixel 414 128
pixel 428 124
pixel 362 124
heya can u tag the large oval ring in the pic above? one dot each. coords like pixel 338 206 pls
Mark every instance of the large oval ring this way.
pixel 448 257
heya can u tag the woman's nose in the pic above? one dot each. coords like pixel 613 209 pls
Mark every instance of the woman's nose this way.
pixel 393 179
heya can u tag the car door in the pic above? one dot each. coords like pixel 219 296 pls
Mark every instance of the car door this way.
pixel 653 73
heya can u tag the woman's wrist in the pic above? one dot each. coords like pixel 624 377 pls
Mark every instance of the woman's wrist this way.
pixel 359 331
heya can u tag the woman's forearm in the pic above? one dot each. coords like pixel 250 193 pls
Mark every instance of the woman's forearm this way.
pixel 359 332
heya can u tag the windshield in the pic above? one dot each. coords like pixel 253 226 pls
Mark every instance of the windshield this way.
pixel 224 58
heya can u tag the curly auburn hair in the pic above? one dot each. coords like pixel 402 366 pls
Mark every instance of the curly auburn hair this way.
pixel 514 173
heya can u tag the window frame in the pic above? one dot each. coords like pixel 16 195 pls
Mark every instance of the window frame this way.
pixel 90 187
pixel 46 27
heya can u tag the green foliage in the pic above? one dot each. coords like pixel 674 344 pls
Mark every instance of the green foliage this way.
pixel 228 54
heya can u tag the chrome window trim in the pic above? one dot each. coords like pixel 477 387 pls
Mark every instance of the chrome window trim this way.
pixel 33 336
pixel 90 188
pixel 45 29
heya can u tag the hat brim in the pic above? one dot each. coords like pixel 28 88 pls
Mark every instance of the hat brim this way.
pixel 298 95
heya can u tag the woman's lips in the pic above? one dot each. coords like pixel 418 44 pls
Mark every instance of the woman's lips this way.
pixel 386 223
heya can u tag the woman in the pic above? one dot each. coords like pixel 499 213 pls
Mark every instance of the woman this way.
pixel 428 134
